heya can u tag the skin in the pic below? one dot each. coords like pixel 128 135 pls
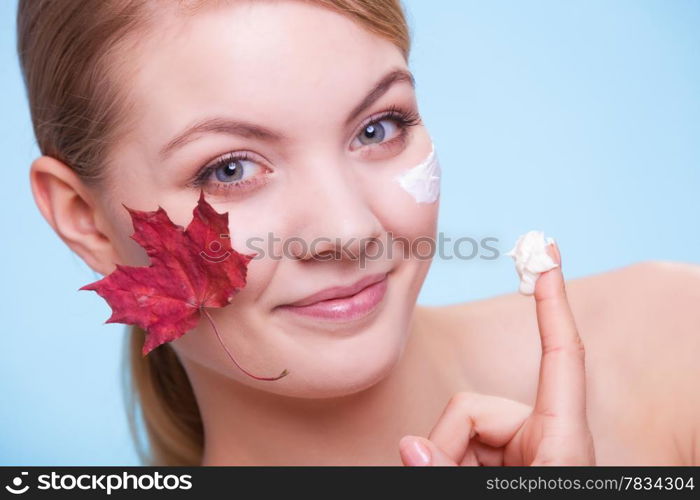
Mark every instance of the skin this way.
pixel 641 366
pixel 363 392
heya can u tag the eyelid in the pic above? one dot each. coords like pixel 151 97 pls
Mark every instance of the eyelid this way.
pixel 200 178
pixel 405 118
pixel 387 113
pixel 412 116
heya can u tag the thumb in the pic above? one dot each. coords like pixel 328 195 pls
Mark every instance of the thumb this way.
pixel 416 450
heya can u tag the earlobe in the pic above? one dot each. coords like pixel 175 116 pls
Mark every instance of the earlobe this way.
pixel 65 202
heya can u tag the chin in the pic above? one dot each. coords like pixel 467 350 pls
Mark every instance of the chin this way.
pixel 332 360
pixel 342 367
pixel 339 381
pixel 325 359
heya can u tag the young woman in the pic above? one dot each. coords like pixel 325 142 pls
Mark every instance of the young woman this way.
pixel 296 117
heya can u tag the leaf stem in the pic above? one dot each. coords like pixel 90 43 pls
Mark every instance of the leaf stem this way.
pixel 221 341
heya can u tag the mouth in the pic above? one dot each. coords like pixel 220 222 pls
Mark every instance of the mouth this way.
pixel 342 303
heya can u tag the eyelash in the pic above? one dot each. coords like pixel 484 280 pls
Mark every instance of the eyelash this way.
pixel 200 178
pixel 403 118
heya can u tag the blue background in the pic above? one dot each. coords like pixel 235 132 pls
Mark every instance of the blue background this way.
pixel 578 118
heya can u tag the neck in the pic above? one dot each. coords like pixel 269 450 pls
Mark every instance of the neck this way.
pixel 245 426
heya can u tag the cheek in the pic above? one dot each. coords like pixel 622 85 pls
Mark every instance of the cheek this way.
pixel 240 325
pixel 127 250
pixel 407 198
pixel 422 182
pixel 404 217
pixel 399 211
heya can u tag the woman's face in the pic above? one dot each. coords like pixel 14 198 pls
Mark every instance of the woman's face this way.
pixel 323 171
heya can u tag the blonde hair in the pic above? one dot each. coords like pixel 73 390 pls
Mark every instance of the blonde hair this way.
pixel 69 51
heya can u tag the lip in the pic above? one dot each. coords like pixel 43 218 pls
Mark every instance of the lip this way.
pixel 343 303
pixel 339 291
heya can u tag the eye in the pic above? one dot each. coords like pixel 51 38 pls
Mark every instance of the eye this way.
pixel 377 131
pixel 388 130
pixel 233 171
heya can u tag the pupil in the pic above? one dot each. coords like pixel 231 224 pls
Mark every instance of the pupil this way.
pixel 230 171
pixel 372 134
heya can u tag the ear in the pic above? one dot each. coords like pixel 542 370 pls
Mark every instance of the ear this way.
pixel 67 205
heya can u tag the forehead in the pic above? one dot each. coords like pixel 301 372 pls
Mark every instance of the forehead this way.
pixel 257 61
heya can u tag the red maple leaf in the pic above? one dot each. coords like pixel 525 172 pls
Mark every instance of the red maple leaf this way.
pixel 191 269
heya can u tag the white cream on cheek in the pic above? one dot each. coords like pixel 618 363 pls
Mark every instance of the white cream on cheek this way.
pixel 422 182
pixel 531 259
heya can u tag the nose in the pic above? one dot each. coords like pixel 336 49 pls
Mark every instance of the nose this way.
pixel 337 217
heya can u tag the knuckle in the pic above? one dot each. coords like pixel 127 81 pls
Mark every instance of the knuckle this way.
pixel 544 462
pixel 570 445
pixel 462 400
pixel 577 347
pixel 553 302
pixel 547 412
pixel 574 347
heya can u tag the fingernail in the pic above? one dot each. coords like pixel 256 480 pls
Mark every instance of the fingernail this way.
pixel 555 249
pixel 417 453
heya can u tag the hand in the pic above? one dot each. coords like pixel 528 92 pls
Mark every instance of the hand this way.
pixel 478 429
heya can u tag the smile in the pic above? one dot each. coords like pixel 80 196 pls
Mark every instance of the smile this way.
pixel 346 308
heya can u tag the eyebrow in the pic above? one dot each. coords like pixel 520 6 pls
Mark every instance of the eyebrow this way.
pixel 250 130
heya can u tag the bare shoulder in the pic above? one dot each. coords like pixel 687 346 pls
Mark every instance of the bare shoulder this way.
pixel 666 299
pixel 648 336
pixel 639 306
pixel 650 308
pixel 640 325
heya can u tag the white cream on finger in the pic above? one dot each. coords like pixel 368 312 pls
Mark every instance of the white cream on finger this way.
pixel 531 259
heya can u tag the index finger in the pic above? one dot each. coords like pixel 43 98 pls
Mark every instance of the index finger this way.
pixel 562 389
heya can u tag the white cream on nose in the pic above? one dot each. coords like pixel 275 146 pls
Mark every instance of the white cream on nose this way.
pixel 423 181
